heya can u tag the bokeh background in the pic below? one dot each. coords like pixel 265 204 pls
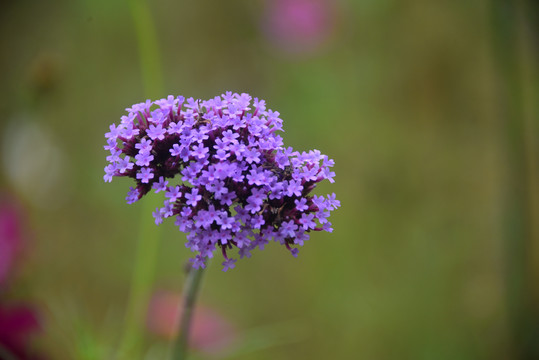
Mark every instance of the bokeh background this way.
pixel 429 108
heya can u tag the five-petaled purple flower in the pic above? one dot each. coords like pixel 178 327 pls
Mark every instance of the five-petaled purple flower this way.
pixel 236 186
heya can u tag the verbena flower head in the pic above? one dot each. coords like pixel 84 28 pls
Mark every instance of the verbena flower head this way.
pixel 226 176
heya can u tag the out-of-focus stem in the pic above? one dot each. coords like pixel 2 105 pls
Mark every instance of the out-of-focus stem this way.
pixel 148 46
pixel 148 234
pixel 510 44
pixel 141 282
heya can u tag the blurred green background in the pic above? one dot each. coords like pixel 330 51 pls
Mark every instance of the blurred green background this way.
pixel 429 108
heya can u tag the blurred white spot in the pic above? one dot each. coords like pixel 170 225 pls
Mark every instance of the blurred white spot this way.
pixel 33 163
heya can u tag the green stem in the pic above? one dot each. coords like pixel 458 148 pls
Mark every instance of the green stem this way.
pixel 510 21
pixel 143 272
pixel 190 291
pixel 148 47
pixel 148 234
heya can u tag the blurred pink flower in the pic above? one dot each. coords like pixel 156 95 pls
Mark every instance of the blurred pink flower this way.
pixel 17 325
pixel 210 332
pixel 299 26
pixel 10 236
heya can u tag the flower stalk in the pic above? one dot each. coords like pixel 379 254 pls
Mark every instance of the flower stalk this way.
pixel 148 237
pixel 190 292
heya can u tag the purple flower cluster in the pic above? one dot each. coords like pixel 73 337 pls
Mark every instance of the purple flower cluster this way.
pixel 235 185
